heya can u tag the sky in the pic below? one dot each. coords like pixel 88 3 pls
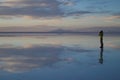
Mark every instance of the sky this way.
pixel 47 15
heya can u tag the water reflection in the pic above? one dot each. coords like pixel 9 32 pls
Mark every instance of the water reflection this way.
pixel 20 59
pixel 55 57
pixel 23 59
pixel 20 54
pixel 101 56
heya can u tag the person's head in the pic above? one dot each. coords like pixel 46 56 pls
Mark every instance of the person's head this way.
pixel 101 31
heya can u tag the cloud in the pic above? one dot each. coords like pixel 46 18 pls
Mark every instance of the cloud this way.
pixel 39 9
pixel 110 29
pixel 34 8
pixel 79 13
pixel 53 8
pixel 22 3
pixel 37 28
pixel 113 17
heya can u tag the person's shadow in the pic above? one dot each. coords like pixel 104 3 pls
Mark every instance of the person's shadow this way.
pixel 101 56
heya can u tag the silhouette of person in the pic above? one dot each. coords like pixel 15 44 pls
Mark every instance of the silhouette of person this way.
pixel 101 47
pixel 101 56
pixel 101 38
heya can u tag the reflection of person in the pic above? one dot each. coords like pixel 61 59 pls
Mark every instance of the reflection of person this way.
pixel 101 38
pixel 101 56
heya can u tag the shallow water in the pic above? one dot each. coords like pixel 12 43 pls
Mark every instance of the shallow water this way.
pixel 59 57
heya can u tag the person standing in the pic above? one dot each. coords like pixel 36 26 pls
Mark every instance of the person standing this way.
pixel 101 38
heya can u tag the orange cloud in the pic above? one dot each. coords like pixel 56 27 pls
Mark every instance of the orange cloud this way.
pixel 111 18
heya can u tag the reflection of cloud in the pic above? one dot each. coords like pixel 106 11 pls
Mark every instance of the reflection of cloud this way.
pixel 16 64
pixel 69 59
pixel 21 59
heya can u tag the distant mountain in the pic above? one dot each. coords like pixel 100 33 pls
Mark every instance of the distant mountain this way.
pixel 61 31
pixel 48 29
pixel 67 31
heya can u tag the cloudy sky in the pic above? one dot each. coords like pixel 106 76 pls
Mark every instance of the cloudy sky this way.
pixel 45 15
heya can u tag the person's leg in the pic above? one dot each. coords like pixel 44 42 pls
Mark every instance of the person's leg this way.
pixel 101 42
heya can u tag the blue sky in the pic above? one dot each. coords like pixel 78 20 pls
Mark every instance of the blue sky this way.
pixel 45 15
